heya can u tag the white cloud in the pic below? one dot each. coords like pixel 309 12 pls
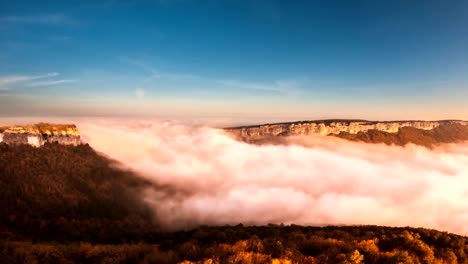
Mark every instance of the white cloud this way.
pixel 8 82
pixel 23 78
pixel 49 83
pixel 13 79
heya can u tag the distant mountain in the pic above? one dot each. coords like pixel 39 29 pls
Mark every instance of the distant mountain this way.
pixel 425 133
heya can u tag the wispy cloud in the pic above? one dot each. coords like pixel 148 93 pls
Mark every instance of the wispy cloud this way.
pixel 8 82
pixel 49 83
pixel 22 78
pixel 137 63
pixel 44 19
pixel 154 74
pixel 288 87
pixel 171 76
pixel 13 79
pixel 279 86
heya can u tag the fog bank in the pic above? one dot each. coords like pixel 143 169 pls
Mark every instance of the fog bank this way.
pixel 214 179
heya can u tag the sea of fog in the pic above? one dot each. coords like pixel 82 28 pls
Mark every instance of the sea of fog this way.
pixel 213 179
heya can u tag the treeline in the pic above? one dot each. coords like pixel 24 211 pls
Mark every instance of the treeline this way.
pixel 267 244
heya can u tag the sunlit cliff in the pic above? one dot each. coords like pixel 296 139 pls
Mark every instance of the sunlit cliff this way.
pixel 39 134
pixel 331 127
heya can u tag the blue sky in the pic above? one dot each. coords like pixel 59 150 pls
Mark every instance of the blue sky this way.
pixel 266 60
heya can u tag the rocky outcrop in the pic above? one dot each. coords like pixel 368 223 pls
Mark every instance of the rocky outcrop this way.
pixel 443 134
pixel 39 134
pixel 329 127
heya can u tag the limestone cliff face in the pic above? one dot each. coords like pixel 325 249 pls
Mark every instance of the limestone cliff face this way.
pixel 329 127
pixel 39 134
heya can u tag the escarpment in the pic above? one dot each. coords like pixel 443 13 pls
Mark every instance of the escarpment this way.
pixel 390 132
pixel 39 134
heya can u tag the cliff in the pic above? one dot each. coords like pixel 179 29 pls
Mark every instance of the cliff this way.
pixel 39 134
pixel 332 127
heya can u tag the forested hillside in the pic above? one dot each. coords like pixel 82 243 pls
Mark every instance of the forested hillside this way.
pixel 68 192
pixel 68 204
pixel 263 244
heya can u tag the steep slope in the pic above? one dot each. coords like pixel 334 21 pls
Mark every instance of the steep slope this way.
pixel 68 192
